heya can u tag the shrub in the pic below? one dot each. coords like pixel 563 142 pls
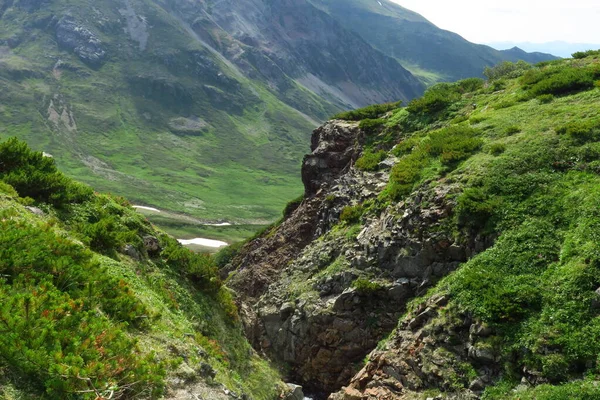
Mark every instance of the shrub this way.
pixel 506 69
pixel 435 100
pixel 33 175
pixel 371 112
pixel 352 214
pixel 505 104
pixel 497 148
pixel 369 161
pixel 545 98
pixel 511 130
pixel 227 254
pixel 475 208
pixel 470 85
pixel 64 317
pixel 366 286
pixel 199 268
pixel 581 132
pixel 453 144
pixel 292 206
pixel 569 80
pixel 583 54
pixel 371 126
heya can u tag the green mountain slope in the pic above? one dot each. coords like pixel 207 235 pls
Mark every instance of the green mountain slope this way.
pixel 431 53
pixel 98 304
pixel 459 232
pixel 157 101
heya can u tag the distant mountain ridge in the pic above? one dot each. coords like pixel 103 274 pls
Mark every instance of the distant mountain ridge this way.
pixel 205 107
pixel 561 49
pixel 434 54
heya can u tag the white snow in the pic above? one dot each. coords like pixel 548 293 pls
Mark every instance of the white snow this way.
pixel 147 208
pixel 380 4
pixel 204 242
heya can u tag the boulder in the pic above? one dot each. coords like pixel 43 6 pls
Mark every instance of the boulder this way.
pixel 295 392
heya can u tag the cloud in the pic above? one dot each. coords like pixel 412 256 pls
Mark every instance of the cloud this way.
pixel 513 20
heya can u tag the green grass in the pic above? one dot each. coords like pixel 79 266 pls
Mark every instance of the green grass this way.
pixel 529 177
pixel 81 319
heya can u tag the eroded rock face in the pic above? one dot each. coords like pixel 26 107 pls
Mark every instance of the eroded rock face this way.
pixel 75 37
pixel 429 351
pixel 302 303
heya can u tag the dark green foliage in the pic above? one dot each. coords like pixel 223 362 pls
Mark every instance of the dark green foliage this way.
pixel 227 254
pixel 352 214
pixel 292 206
pixel 52 330
pixel 584 54
pixel 475 208
pixel 369 160
pixel 581 131
pixel 453 144
pixel 511 130
pixel 559 80
pixel 545 98
pixel 365 286
pixel 496 149
pixel 470 85
pixel 199 268
pixel 450 145
pixel 371 126
pixel 435 100
pixel 369 112
pixel 33 175
pixel 506 69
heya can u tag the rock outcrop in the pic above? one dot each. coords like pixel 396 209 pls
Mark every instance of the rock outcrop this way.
pixel 77 38
pixel 318 294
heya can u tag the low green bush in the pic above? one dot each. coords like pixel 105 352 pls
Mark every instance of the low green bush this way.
pixel 497 148
pixel 292 206
pixel 475 209
pixel 453 144
pixel 366 286
pixel 369 160
pixel 33 175
pixel 506 69
pixel 64 319
pixel 199 268
pixel 511 130
pixel 371 126
pixel 352 214
pixel 545 98
pixel 584 54
pixel 369 112
pixel 581 131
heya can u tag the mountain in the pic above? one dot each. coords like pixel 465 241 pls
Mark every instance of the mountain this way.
pixel 431 53
pixel 561 49
pixel 446 249
pixel 203 108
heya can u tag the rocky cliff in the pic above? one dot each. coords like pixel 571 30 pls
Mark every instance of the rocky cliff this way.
pixel 415 263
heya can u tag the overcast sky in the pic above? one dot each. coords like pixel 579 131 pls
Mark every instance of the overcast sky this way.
pixel 480 21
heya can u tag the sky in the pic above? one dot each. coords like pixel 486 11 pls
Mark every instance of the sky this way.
pixel 537 21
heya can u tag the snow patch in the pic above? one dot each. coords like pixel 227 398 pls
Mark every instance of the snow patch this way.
pixel 204 242
pixel 147 208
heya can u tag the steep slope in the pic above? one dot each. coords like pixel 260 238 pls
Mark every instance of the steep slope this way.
pixel 432 53
pixel 198 107
pixel 97 304
pixel 460 228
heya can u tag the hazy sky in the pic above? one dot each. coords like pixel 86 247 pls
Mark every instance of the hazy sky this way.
pixel 537 21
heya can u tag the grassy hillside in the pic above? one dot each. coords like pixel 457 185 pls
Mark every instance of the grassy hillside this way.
pixel 524 147
pixel 96 303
